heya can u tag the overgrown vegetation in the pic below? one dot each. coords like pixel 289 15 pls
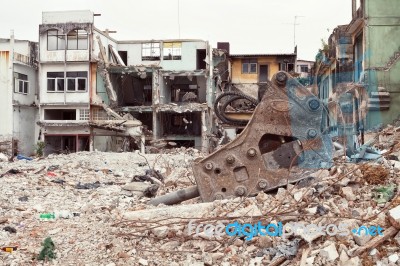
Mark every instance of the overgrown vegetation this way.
pixel 324 50
pixel 39 147
pixel 47 253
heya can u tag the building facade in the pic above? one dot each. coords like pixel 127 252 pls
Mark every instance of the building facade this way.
pixel 18 101
pixel 97 93
pixel 249 74
pixel 303 71
pixel 365 52
pixel 249 71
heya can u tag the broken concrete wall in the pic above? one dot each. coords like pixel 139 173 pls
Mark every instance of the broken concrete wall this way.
pixel 248 89
pixel 184 89
pixel 105 40
pixel 133 90
pixel 25 129
pixel 6 145
pixel 221 72
pixel 99 90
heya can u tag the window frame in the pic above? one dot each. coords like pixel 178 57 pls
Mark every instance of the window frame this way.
pixel 304 67
pixel 56 80
pixel 58 35
pixel 25 85
pixel 21 79
pixel 247 64
pixel 74 76
pixel 153 50
pixel 79 32
pixel 84 114
pixel 285 66
pixel 176 49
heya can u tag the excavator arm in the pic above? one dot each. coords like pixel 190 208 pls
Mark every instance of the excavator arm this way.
pixel 281 142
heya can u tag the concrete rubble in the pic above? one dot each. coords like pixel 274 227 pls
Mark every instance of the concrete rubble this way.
pixel 101 215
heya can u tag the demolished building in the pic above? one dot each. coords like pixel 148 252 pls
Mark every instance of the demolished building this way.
pixel 97 93
pixel 73 115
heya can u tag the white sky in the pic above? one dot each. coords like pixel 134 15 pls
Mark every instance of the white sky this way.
pixel 251 26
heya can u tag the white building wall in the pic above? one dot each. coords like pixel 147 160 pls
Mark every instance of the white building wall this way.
pixel 60 97
pixel 189 57
pixel 309 64
pixel 70 130
pixel 188 61
pixel 21 47
pixel 30 98
pixel 18 111
pixel 6 111
pixel 72 16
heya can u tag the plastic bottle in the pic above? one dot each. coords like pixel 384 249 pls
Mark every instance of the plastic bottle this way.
pixel 58 214
pixel 47 216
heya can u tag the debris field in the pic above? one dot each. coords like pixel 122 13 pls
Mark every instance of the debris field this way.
pixel 90 208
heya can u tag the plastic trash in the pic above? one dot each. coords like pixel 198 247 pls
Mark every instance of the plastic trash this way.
pixel 47 216
pixel 58 181
pixel 10 229
pixel 384 194
pixel 88 185
pixel 58 214
pixel 22 157
pixel 9 249
pixel 53 167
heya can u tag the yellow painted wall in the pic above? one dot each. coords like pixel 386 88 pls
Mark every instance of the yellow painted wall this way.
pixel 239 77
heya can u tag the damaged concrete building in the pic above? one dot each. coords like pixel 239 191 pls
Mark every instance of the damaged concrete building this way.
pixel 18 90
pixel 167 85
pixel 97 93
pixel 73 114
pixel 365 52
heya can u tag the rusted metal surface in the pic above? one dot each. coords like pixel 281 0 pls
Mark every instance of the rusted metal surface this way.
pixel 282 140
pixel 5 55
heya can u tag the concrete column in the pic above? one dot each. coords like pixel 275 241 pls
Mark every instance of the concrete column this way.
pixel 204 142
pixel 91 140
pixel 354 8
pixel 142 148
pixel 156 125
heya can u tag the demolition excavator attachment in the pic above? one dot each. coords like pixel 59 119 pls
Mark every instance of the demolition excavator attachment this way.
pixel 282 141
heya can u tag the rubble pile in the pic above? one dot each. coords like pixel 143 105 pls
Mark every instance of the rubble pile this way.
pixel 99 213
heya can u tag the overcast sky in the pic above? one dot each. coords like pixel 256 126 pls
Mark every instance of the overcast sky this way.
pixel 251 26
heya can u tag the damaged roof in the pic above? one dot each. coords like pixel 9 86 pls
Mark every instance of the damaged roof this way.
pixel 259 55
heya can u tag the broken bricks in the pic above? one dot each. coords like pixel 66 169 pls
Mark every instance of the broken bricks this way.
pixel 394 216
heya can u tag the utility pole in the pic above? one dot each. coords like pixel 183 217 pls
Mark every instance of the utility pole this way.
pixel 294 29
pixel 179 20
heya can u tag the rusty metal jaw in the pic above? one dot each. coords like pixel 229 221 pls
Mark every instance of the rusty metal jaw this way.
pixel 282 140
